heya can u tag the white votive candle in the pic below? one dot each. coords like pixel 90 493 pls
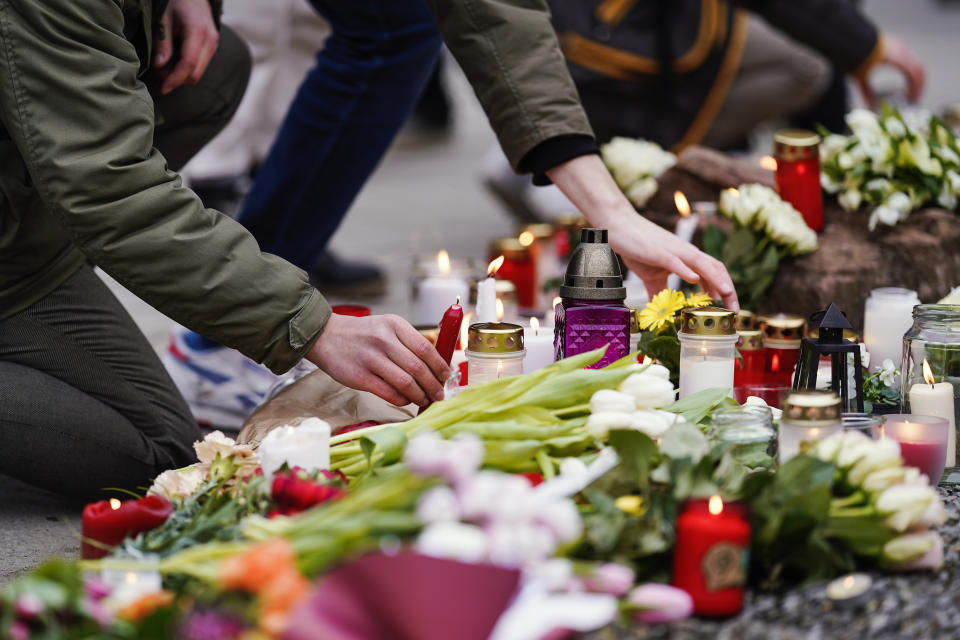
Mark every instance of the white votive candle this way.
pixel 539 345
pixel 887 315
pixel 936 400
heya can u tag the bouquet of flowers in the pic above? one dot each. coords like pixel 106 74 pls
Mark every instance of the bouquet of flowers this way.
pixel 765 231
pixel 636 165
pixel 895 162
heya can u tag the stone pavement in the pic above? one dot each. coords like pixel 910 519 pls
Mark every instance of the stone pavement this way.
pixel 426 197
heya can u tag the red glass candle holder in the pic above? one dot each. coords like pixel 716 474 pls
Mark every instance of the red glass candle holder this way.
pixel 711 556
pixel 519 268
pixel 798 173
pixel 749 366
pixel 782 335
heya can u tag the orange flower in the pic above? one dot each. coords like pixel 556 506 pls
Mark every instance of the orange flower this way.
pixel 145 605
pixel 254 569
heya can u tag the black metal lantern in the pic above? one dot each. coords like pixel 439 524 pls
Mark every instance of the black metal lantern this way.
pixel 830 342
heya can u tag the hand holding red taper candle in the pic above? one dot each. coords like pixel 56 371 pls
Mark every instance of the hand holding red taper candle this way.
pixel 110 521
pixel 449 334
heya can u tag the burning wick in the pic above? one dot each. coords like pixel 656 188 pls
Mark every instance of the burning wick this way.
pixel 443 262
pixel 715 506
pixel 114 504
pixel 683 206
pixel 535 325
pixel 494 266
pixel 928 373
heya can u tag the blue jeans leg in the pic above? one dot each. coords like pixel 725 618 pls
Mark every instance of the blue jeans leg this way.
pixel 352 103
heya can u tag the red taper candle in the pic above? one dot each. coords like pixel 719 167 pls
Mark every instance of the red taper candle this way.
pixel 110 521
pixel 449 335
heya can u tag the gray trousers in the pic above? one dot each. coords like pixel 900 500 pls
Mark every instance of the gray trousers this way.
pixel 85 404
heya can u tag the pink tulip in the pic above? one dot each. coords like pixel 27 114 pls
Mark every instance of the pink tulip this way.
pixel 19 631
pixel 611 578
pixel 654 603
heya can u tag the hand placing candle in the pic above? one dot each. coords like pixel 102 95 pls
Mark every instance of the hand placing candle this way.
pixel 108 522
pixel 934 398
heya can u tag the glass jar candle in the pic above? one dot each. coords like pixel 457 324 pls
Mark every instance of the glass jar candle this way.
pixel 566 234
pixel 887 316
pixel 797 153
pixel 934 338
pixel 746 429
pixel 923 442
pixel 749 367
pixel 539 237
pixel 808 416
pixel 518 267
pixel 708 349
pixel 494 350
pixel 782 335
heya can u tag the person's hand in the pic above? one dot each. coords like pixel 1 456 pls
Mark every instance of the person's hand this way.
pixel 189 25
pixel 383 355
pixel 650 251
pixel 897 54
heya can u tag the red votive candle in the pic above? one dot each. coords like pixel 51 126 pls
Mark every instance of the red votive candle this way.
pixel 110 521
pixel 798 173
pixel 518 267
pixel 782 335
pixel 711 555
pixel 749 367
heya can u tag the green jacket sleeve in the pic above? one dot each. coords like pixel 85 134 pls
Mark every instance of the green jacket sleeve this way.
pixel 510 54
pixel 83 122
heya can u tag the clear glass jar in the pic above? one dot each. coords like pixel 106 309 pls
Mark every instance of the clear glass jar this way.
pixel 934 337
pixel 886 317
pixel 747 429
pixel 494 350
pixel 868 425
pixel 808 416
pixel 708 349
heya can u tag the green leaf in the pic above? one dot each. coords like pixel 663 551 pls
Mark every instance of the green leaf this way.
pixel 713 240
pixel 695 407
pixel 635 450
pixel 388 442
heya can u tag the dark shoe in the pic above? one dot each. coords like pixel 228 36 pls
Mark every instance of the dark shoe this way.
pixel 224 194
pixel 333 276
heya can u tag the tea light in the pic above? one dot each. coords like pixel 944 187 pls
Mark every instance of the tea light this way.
pixel 933 398
pixel 888 315
pixel 686 227
pixel 129 585
pixel 808 416
pixel 539 346
pixel 849 590
pixel 494 350
pixel 437 292
pixel 707 349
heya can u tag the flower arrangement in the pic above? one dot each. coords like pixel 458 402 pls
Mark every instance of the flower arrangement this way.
pixel 660 324
pixel 636 165
pixel 894 162
pixel 765 231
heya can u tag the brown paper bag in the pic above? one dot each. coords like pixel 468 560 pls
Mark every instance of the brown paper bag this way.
pixel 320 396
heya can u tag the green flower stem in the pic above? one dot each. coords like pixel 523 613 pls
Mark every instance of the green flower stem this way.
pixel 545 464
pixel 569 411
pixel 358 433
pixel 853 512
pixel 856 498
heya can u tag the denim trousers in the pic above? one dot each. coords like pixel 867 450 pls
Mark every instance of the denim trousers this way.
pixel 365 83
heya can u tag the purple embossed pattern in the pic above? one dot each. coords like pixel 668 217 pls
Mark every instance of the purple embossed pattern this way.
pixel 582 325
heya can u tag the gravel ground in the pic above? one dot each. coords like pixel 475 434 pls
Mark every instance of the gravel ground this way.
pixel 908 606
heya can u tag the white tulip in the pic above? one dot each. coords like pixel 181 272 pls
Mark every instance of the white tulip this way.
pixel 828 448
pixel 608 400
pixel 908 550
pixel 515 544
pixel 880 479
pixel 651 422
pixel 573 467
pixel 884 453
pixel 306 446
pixel 600 424
pixel 757 401
pixel 652 369
pixel 453 540
pixel 904 505
pixel 649 391
pixel 855 445
pixel 492 494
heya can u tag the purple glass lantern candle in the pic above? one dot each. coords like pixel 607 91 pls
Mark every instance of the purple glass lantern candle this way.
pixel 591 313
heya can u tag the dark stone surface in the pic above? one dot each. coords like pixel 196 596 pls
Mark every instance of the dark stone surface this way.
pixel 908 606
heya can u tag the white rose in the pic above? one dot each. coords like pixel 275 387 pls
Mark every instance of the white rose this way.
pixel 306 446
pixel 884 215
pixel 899 201
pixel 894 127
pixel 176 483
pixel 833 144
pixel 648 390
pixel 863 122
pixel 640 192
pixel 850 199
pixel 608 400
pixel 453 540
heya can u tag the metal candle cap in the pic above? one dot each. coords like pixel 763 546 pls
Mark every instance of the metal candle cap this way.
pixel 746 320
pixel 594 271
pixel 495 337
pixel 811 406
pixel 782 328
pixel 709 321
pixel 750 340
pixel 795 144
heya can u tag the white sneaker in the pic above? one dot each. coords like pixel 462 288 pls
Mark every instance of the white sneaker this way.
pixel 221 385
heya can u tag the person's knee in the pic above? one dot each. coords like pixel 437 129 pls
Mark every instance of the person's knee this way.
pixel 811 74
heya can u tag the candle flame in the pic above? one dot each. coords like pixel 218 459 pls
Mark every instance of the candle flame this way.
pixel 130 577
pixel 556 301
pixel 928 373
pixel 500 311
pixel 443 261
pixel 682 205
pixel 733 192
pixel 464 329
pixel 526 238
pixel 535 325
pixel 715 506
pixel 494 266
pixel 114 504
pixel 769 163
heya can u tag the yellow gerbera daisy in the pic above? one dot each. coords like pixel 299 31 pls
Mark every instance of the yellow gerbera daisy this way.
pixel 698 300
pixel 661 310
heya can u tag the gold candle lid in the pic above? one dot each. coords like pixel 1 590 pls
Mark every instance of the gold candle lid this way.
pixel 509 248
pixel 495 337
pixel 746 320
pixel 795 144
pixel 750 340
pixel 807 405
pixel 709 321
pixel 783 329
pixel 540 230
